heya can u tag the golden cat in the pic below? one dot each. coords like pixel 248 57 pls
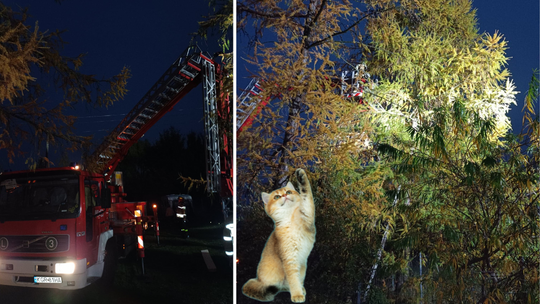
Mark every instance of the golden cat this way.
pixel 284 258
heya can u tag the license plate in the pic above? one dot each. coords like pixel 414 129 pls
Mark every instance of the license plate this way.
pixel 47 279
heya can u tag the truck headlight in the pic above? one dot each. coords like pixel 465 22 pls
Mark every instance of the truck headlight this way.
pixel 64 268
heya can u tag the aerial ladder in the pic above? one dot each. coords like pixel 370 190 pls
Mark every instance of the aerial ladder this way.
pixel 350 84
pixel 250 103
pixel 183 75
pixel 188 71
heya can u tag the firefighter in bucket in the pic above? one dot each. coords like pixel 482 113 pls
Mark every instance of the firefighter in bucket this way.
pixel 182 216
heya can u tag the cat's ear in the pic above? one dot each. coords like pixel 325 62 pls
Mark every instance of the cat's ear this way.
pixel 290 186
pixel 265 197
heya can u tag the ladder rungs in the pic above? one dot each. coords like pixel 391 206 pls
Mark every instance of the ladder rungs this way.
pixel 157 102
pixel 151 110
pixel 164 96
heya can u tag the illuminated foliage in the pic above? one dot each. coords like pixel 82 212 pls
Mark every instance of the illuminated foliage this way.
pixel 469 200
pixel 221 19
pixel 432 135
pixel 305 118
pixel 308 124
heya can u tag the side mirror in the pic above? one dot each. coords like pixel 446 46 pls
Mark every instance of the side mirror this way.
pixel 106 198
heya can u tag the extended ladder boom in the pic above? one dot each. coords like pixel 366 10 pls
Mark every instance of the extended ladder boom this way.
pixel 247 103
pixel 182 76
pixel 250 102
pixel 211 128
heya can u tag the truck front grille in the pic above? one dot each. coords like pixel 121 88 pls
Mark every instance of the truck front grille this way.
pixel 34 243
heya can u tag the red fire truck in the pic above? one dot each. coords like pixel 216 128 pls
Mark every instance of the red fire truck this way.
pixel 57 227
pixel 65 227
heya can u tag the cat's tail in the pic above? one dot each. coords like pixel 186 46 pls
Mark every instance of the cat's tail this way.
pixel 255 289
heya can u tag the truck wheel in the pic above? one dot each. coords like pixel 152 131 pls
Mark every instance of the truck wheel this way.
pixel 111 261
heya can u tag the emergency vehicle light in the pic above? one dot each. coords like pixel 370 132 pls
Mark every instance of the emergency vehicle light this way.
pixel 231 233
pixel 137 213
pixel 75 166
pixel 64 268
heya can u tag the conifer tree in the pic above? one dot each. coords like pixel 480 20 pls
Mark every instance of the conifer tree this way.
pixel 428 157
pixel 298 73
pixel 440 112
pixel 30 64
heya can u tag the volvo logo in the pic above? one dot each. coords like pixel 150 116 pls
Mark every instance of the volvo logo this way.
pixel 51 243
pixel 4 243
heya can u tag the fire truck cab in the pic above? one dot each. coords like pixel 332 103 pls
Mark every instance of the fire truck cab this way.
pixel 54 228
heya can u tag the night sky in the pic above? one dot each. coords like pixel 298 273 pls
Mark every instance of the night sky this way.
pixel 147 38
pixel 519 24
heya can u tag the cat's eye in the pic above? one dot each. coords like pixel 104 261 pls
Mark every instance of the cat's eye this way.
pixel 277 197
pixel 289 192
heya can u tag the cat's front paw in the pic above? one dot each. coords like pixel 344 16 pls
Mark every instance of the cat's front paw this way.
pixel 301 176
pixel 298 299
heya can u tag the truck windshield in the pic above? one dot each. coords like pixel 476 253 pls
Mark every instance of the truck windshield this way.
pixel 44 195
